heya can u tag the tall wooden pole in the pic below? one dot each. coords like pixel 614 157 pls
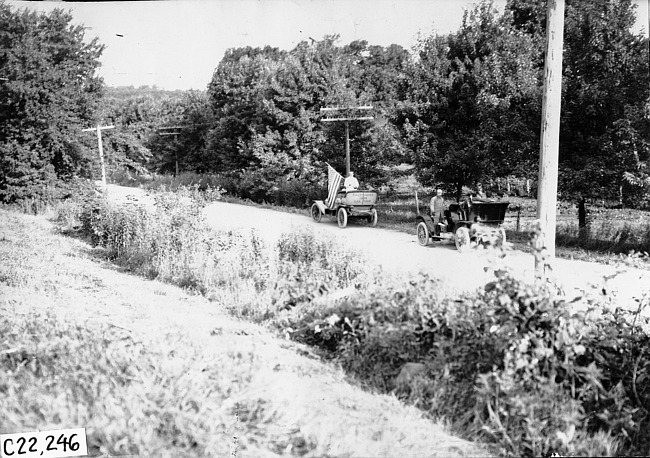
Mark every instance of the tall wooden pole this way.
pixel 347 114
pixel 101 149
pixel 550 130
pixel 347 148
pixel 175 133
pixel 101 156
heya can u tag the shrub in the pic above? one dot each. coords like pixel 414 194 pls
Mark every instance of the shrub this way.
pixel 514 365
pixel 172 243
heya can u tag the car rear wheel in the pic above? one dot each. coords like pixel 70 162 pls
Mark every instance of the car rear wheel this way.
pixel 316 214
pixel 423 234
pixel 462 239
pixel 372 219
pixel 342 217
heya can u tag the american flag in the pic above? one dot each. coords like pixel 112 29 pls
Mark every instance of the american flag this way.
pixel 334 180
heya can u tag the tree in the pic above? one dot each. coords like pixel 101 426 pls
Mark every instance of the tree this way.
pixel 49 91
pixel 604 134
pixel 472 98
pixel 236 95
pixel 140 112
pixel 267 130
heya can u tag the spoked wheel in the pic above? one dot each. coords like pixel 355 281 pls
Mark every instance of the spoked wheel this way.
pixel 372 219
pixel 423 234
pixel 462 239
pixel 342 217
pixel 316 214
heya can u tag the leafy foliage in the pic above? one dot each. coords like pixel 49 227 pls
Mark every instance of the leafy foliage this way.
pixel 472 98
pixel 49 91
pixel 604 133
pixel 516 364
pixel 266 103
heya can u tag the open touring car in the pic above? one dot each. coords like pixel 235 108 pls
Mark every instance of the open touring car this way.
pixel 468 224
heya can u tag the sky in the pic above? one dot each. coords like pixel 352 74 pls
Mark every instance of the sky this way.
pixel 177 44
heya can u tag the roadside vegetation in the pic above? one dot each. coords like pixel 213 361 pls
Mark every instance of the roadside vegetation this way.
pixel 151 370
pixel 611 233
pixel 512 365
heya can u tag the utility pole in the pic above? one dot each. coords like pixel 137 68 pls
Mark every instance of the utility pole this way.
pixel 101 149
pixel 550 132
pixel 347 114
pixel 175 131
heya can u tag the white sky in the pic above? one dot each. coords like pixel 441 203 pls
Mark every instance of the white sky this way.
pixel 177 44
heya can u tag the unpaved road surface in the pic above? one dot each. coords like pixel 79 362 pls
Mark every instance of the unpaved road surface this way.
pixel 399 254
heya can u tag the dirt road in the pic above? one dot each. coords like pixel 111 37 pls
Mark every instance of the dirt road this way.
pixel 398 253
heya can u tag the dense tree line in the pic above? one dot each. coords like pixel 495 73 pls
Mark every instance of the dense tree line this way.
pixel 268 131
pixel 459 108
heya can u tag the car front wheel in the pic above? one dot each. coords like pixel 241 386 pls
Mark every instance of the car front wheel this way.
pixel 423 234
pixel 342 217
pixel 316 214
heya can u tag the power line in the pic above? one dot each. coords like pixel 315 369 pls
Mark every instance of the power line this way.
pixel 347 116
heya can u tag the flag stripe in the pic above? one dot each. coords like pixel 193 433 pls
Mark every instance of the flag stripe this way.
pixel 334 180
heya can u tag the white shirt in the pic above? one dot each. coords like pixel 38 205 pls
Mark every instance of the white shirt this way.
pixel 351 183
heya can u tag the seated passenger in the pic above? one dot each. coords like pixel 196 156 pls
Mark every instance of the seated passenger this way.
pixel 351 183
pixel 480 193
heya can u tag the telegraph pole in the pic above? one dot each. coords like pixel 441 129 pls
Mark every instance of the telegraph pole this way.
pixel 101 149
pixel 175 131
pixel 347 114
pixel 550 131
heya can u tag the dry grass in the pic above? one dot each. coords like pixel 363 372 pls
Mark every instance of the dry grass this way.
pixel 153 370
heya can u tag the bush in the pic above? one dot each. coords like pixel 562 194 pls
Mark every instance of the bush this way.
pixel 513 365
pixel 172 243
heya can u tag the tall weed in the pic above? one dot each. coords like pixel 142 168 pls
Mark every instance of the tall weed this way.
pixel 607 235
pixel 515 364
pixel 174 243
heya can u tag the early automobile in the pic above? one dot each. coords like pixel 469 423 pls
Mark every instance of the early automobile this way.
pixel 468 224
pixel 346 205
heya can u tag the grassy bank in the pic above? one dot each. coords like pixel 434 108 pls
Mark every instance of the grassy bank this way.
pixel 514 366
pixel 151 370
